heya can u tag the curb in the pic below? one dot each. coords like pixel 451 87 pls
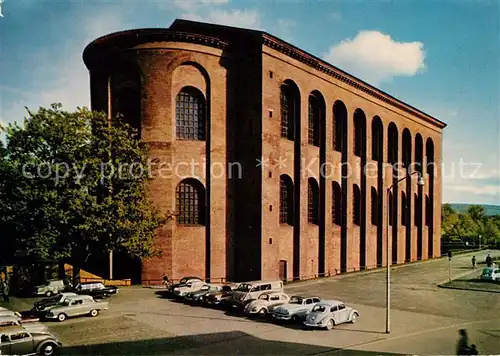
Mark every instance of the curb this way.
pixel 471 289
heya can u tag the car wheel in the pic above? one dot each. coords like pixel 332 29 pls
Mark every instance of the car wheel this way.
pixel 48 294
pixel 354 318
pixel 263 312
pixel 61 317
pixel 330 324
pixel 49 349
pixel 94 312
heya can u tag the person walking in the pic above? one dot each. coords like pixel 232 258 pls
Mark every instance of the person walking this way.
pixel 165 280
pixel 489 260
pixel 473 261
pixel 463 343
pixel 5 292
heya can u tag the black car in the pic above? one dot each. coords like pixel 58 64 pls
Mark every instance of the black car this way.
pixel 95 289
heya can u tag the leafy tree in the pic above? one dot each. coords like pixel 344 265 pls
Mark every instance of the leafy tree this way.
pixel 73 184
pixel 477 213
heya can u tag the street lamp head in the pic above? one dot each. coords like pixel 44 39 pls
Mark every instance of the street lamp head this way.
pixel 420 181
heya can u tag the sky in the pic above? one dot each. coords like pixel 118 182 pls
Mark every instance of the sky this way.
pixel 442 57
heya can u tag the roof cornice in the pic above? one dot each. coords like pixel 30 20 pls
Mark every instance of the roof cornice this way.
pixel 318 64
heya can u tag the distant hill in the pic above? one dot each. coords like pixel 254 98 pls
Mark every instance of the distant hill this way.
pixel 489 209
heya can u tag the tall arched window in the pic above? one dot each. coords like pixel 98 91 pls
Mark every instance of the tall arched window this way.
pixel 429 152
pixel 339 126
pixel 374 202
pixel 286 200
pixel 404 209
pixel 312 201
pixel 314 120
pixel 359 133
pixel 190 114
pixel 419 153
pixel 190 202
pixel 126 95
pixel 392 142
pixel 428 217
pixel 290 109
pixel 391 209
pixel 356 205
pixel 377 139
pixel 336 204
pixel 406 148
pixel 418 210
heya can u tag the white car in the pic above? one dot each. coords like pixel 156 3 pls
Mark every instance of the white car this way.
pixel 491 274
pixel 33 327
pixel 43 304
pixel 329 313
pixel 189 287
pixel 8 312
pixel 296 309
pixel 266 303
pixel 51 288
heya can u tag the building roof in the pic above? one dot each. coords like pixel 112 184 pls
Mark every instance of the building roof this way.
pixel 220 36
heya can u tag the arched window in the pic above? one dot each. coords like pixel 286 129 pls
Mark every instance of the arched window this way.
pixel 417 210
pixel 359 132
pixel 314 120
pixel 356 205
pixel 339 126
pixel 126 95
pixel 429 152
pixel 419 153
pixel 336 204
pixel 404 209
pixel 391 209
pixel 312 201
pixel 375 211
pixel 406 148
pixel 290 109
pixel 392 142
pixel 286 200
pixel 428 217
pixel 190 112
pixel 377 139
pixel 190 202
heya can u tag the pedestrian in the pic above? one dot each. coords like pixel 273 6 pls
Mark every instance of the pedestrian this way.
pixel 473 261
pixel 488 260
pixel 5 292
pixel 463 343
pixel 165 280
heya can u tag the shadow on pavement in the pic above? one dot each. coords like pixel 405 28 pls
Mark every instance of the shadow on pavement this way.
pixel 235 343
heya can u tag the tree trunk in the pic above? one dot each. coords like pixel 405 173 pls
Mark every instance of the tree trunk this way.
pixel 60 270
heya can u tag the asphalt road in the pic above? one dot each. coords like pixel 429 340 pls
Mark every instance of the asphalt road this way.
pixel 425 320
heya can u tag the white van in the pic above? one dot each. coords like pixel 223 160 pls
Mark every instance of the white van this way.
pixel 248 291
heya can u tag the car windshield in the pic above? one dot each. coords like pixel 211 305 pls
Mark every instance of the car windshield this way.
pixel 264 296
pixel 296 300
pixel 244 287
pixel 319 308
pixel 487 272
pixel 183 280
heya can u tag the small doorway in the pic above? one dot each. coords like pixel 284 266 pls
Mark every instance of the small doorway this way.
pixel 283 268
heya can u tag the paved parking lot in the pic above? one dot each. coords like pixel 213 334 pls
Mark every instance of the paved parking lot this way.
pixel 425 320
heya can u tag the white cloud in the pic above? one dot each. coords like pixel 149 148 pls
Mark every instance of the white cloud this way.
pixel 376 57
pixel 192 5
pixel 238 18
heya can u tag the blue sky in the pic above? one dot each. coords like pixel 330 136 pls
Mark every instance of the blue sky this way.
pixel 440 56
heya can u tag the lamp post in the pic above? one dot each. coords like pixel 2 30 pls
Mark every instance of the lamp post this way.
pixel 420 182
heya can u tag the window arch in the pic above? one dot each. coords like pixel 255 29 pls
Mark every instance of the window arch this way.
pixel 190 202
pixel 406 148
pixel 315 112
pixel 339 134
pixel 419 151
pixel 374 201
pixel 290 109
pixel 418 210
pixel 428 211
pixel 429 152
pixel 356 205
pixel 125 85
pixel 359 133
pixel 190 113
pixel 404 209
pixel 286 200
pixel 377 139
pixel 312 201
pixel 336 204
pixel 392 142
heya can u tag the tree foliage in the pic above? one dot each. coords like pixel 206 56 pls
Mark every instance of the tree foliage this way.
pixel 73 184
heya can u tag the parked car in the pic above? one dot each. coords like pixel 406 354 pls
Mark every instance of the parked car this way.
pixel 490 274
pixel 266 303
pixel 249 291
pixel 51 288
pixel 76 306
pixel 296 309
pixel 329 313
pixel 48 302
pixel 200 294
pixel 9 320
pixel 95 289
pixel 183 282
pixel 191 286
pixel 8 312
pixel 16 340
pixel 220 298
